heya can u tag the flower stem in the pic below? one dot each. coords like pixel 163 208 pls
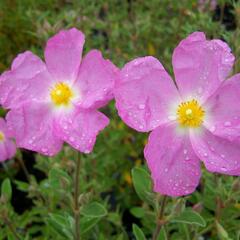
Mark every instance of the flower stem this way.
pixel 21 162
pixel 76 196
pixel 160 219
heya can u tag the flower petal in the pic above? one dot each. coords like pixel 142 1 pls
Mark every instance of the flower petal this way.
pixel 96 80
pixel 80 129
pixel 32 127
pixel 174 166
pixel 28 79
pixel 145 94
pixel 223 110
pixel 63 54
pixel 201 65
pixel 218 154
pixel 7 147
pixel 7 150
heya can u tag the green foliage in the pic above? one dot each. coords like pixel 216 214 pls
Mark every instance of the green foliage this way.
pixel 114 203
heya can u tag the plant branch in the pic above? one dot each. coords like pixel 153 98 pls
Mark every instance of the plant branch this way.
pixel 76 196
pixel 160 220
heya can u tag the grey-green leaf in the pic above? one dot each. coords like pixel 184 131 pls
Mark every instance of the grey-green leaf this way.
pixel 190 217
pixel 138 233
pixel 6 189
pixel 143 184
pixel 94 210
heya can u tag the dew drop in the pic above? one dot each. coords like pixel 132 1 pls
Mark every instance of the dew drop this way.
pixel 227 124
pixel 213 129
pixel 141 106
pixel 224 169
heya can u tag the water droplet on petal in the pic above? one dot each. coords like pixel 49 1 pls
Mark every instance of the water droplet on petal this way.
pixel 224 169
pixel 141 106
pixel 227 124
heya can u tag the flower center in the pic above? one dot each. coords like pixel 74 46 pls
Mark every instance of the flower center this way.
pixel 61 94
pixel 190 114
pixel 1 137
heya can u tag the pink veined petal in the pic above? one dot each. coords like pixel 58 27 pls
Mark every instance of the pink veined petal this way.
pixel 63 54
pixel 96 80
pixel 32 127
pixel 201 65
pixel 7 147
pixel 223 110
pixel 81 129
pixel 3 125
pixel 174 166
pixel 7 150
pixel 28 79
pixel 218 154
pixel 145 94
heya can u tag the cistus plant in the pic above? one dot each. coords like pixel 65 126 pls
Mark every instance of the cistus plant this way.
pixel 195 120
pixel 57 102
pixel 114 189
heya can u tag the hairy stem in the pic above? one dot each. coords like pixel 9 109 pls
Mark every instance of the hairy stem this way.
pixel 76 196
pixel 160 219
pixel 21 162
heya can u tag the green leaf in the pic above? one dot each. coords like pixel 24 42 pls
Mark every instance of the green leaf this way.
pixel 137 212
pixel 94 210
pixel 222 233
pixel 162 235
pixel 6 189
pixel 138 233
pixel 56 175
pixel 143 184
pixel 190 217
pixel 23 186
pixel 60 223
pixel 87 223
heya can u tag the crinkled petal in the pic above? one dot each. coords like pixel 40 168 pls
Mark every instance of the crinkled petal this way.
pixel 80 129
pixel 7 146
pixel 223 110
pixel 218 154
pixel 7 150
pixel 174 166
pixel 63 54
pixel 145 94
pixel 201 65
pixel 32 127
pixel 96 80
pixel 28 79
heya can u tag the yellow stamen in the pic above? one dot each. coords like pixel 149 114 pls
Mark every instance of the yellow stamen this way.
pixel 61 94
pixel 1 137
pixel 190 114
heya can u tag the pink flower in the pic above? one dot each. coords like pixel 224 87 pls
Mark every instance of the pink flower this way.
pixel 197 120
pixel 58 101
pixel 7 146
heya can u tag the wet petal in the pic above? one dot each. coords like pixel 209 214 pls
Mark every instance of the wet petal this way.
pixel 28 79
pixel 174 166
pixel 218 154
pixel 145 94
pixel 201 65
pixel 80 129
pixel 63 54
pixel 32 127
pixel 223 110
pixel 96 80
